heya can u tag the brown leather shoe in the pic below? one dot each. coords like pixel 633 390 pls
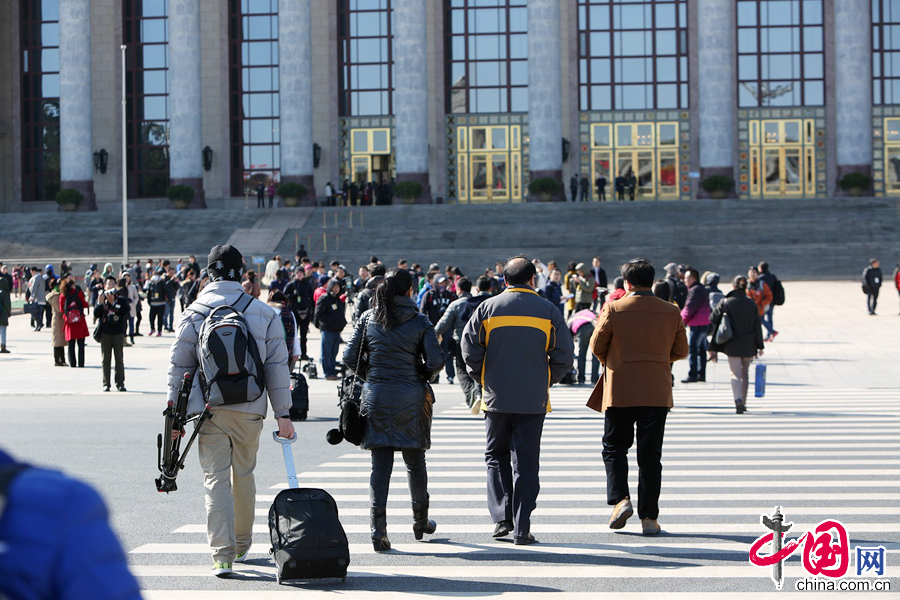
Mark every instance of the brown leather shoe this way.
pixel 650 527
pixel 620 514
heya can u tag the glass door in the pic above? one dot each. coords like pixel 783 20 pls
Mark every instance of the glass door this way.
pixel 490 177
pixel 782 158
pixel 489 164
pixel 642 156
pixel 370 156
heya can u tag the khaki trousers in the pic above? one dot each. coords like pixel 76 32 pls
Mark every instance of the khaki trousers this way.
pixel 740 376
pixel 227 446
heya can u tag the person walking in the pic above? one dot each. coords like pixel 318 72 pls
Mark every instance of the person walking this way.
pixel 156 298
pixel 72 304
pixel 695 315
pixel 746 340
pixel 134 306
pixel 299 294
pixel 554 291
pixel 637 338
pixel 260 195
pixel 770 280
pixel 251 284
pixel 112 312
pixel 518 345
pixel 601 282
pixel 897 277
pixel 58 339
pixel 228 443
pixel 5 311
pixel 758 291
pixel 173 290
pixel 871 279
pixel 581 324
pixel 37 293
pixel 330 319
pixel 433 305
pixel 279 304
pixel 402 355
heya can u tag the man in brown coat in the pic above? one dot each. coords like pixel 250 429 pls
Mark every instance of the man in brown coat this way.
pixel 637 338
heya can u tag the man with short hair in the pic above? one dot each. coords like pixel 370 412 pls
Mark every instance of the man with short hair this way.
pixel 770 280
pixel 433 305
pixel 37 293
pixel 299 294
pixel 872 284
pixel 172 290
pixel 517 344
pixel 573 187
pixel 364 298
pixel 585 186
pixel 229 442
pixel 637 338
pixel 695 315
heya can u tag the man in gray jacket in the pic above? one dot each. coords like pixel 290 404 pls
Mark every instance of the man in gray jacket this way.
pixel 517 344
pixel 228 443
pixel 454 319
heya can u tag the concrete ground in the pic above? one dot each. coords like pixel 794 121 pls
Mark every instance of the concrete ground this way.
pixel 833 401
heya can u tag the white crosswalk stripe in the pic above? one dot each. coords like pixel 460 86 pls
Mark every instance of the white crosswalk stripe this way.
pixel 831 455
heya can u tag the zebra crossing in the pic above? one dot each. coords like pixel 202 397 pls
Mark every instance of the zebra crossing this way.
pixel 819 455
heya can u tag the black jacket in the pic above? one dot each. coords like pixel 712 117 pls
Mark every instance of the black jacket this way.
pixel 395 397
pixel 299 294
pixel 364 298
pixel 745 323
pixel 872 278
pixel 172 286
pixel 113 317
pixel 329 315
pixel 435 302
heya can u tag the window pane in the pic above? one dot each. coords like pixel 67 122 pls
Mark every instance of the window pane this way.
pixel 380 142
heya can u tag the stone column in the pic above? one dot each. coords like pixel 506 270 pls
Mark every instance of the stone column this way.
pixel 544 95
pixel 716 74
pixel 185 123
pixel 853 95
pixel 295 94
pixel 411 93
pixel 75 115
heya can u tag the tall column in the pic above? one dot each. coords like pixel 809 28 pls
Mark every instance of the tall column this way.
pixel 295 94
pixel 853 71
pixel 185 124
pixel 715 55
pixel 75 115
pixel 411 93
pixel 544 95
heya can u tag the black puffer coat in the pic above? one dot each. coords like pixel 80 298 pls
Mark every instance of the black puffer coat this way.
pixel 395 399
pixel 745 323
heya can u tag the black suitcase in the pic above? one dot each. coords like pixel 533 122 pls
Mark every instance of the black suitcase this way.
pixel 308 540
pixel 299 397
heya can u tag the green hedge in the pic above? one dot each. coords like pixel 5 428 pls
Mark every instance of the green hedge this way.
pixel 69 196
pixel 291 190
pixel 544 185
pixel 718 183
pixel 408 190
pixel 180 192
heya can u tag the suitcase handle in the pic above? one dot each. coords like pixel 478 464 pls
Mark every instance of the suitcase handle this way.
pixel 288 458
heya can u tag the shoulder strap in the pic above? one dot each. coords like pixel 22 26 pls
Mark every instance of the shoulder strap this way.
pixel 204 311
pixel 245 299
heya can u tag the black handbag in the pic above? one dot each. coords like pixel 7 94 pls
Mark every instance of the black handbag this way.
pixel 96 334
pixel 352 424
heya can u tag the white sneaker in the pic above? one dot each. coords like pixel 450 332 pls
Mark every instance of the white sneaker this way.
pixel 242 556
pixel 222 569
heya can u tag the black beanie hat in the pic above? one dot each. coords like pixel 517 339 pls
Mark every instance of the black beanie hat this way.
pixel 225 262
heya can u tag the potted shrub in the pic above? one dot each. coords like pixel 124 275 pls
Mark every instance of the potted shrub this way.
pixel 291 193
pixel 544 188
pixel 180 195
pixel 855 184
pixel 409 191
pixel 69 200
pixel 718 186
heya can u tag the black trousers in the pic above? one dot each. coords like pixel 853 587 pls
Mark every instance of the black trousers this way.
pixel 513 487
pixel 303 326
pixel 601 194
pixel 80 352
pixel 471 388
pixel 618 436
pixel 48 314
pixel 156 317
pixel 383 465
pixel 871 301
pixel 112 345
pixel 448 345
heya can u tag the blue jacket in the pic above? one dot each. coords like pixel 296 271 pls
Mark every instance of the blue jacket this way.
pixel 56 542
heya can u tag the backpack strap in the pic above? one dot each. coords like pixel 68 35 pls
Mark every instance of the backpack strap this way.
pixel 7 474
pixel 204 311
pixel 245 299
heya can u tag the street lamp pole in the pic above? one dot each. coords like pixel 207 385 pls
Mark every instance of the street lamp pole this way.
pixel 124 166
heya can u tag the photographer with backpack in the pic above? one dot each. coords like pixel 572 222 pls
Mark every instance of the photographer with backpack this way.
pixel 774 284
pixel 226 326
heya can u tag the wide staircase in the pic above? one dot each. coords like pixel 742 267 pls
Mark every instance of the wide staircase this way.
pixel 801 239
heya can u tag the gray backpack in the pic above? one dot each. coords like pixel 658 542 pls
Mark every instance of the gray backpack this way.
pixel 231 371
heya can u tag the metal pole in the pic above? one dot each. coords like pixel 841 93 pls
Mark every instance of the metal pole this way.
pixel 124 166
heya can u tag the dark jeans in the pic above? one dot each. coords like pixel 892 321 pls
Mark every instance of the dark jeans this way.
pixel 448 345
pixel 583 343
pixel 260 200
pixel 698 344
pixel 112 344
pixel 48 313
pixel 330 345
pixel 516 437
pixel 470 387
pixel 303 325
pixel 383 465
pixel 170 314
pixel 618 436
pixel 601 194
pixel 156 317
pixel 872 301
pixel 768 320
pixel 80 352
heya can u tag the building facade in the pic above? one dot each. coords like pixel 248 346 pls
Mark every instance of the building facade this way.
pixel 471 98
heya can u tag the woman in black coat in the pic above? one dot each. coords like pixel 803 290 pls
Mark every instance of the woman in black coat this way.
pixel 403 355
pixel 746 341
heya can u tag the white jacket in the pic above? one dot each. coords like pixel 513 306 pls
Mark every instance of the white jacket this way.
pixel 265 327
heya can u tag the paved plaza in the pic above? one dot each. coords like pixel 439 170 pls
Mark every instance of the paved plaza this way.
pixel 822 444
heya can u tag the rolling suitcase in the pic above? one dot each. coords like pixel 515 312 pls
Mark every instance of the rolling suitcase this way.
pixel 759 386
pixel 308 540
pixel 299 397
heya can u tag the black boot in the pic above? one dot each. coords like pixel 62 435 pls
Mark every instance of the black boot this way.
pixel 739 406
pixel 421 523
pixel 378 523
